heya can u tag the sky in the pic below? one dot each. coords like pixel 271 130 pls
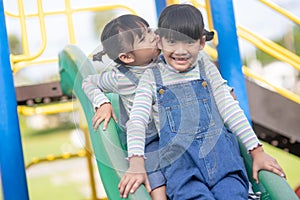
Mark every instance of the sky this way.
pixel 249 13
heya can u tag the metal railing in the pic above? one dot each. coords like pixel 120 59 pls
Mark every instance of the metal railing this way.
pixel 30 58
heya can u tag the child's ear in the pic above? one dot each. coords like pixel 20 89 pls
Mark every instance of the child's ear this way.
pixel 126 58
pixel 159 44
pixel 202 42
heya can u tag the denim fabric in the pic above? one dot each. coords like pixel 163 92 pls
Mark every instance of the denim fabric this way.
pixel 154 173
pixel 199 157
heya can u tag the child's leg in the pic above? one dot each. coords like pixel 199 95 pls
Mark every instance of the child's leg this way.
pixel 159 193
pixel 223 190
pixel 155 176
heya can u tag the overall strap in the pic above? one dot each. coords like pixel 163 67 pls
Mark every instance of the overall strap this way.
pixel 128 74
pixel 201 70
pixel 157 76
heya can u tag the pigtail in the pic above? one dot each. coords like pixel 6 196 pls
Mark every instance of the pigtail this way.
pixel 209 35
pixel 98 56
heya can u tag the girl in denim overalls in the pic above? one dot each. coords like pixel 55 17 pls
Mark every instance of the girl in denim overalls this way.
pixel 199 157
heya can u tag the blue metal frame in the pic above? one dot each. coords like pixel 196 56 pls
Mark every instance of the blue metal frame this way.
pixel 13 176
pixel 228 50
pixel 160 5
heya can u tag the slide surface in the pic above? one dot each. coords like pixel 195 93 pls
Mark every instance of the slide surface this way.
pixel 74 66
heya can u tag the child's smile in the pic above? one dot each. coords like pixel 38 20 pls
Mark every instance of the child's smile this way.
pixel 180 55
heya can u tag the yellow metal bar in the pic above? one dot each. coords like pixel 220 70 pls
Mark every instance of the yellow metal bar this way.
pixel 102 8
pixel 41 14
pixel 21 65
pixel 248 72
pixel 26 57
pixel 283 92
pixel 84 127
pixel 24 34
pixel 47 109
pixel 212 52
pixel 271 48
pixel 272 45
pixel 209 14
pixel 86 9
pixel 281 11
pixel 65 156
pixel 69 13
pixel 170 2
pixel 51 157
pixel 210 22
pixel 43 29
pixel 12 15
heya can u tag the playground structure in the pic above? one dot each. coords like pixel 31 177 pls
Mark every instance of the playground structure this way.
pixel 222 21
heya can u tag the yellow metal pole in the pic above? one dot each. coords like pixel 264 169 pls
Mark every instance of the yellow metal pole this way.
pixel 22 18
pixel 271 48
pixel 210 22
pixel 47 109
pixel 89 152
pixel 283 92
pixel 69 13
pixel 281 11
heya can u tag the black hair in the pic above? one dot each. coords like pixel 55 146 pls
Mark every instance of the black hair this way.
pixel 118 36
pixel 182 22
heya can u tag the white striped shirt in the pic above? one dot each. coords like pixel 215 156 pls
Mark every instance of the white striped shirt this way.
pixel 112 81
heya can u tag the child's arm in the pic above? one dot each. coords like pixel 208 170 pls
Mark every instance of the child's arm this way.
pixel 136 130
pixel 235 119
pixel 94 88
pixel 262 160
pixel 134 177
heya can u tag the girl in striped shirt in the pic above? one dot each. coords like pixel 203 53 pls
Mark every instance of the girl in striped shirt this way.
pixel 197 118
pixel 132 45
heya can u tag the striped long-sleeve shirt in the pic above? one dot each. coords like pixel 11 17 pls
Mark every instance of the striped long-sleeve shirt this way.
pixel 232 115
pixel 112 81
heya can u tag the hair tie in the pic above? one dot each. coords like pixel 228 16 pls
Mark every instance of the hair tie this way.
pixel 209 35
pixel 98 56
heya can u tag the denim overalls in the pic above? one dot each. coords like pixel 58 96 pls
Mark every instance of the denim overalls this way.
pixel 199 157
pixel 155 176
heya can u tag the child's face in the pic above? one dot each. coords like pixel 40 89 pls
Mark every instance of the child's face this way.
pixel 181 55
pixel 145 48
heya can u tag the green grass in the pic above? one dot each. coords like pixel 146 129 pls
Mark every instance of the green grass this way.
pixel 43 188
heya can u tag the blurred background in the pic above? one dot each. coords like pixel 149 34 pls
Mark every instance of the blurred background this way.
pixel 58 158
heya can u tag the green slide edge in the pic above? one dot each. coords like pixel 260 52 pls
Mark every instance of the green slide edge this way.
pixel 271 186
pixel 74 66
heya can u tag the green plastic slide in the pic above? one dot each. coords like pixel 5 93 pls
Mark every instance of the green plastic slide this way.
pixel 74 66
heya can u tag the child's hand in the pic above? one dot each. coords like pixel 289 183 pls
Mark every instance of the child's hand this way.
pixel 104 113
pixel 261 160
pixel 134 177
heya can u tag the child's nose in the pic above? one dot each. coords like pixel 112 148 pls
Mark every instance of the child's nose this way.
pixel 180 49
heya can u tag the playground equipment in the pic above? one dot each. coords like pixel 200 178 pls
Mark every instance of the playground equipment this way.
pixel 272 187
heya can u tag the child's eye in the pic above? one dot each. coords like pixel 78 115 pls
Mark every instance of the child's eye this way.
pixel 190 41
pixel 142 38
pixel 149 30
pixel 171 41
